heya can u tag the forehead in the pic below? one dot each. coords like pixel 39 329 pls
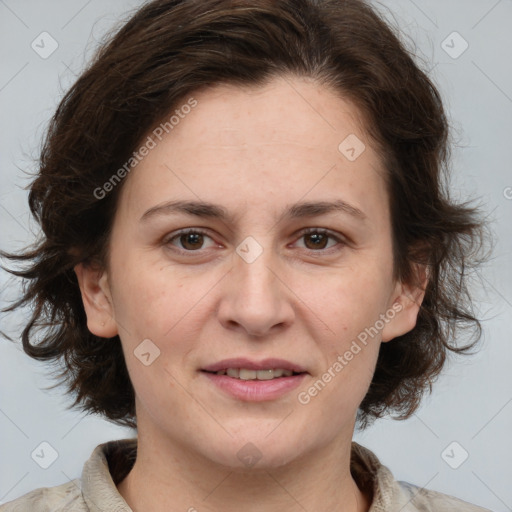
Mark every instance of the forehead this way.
pixel 286 110
pixel 289 138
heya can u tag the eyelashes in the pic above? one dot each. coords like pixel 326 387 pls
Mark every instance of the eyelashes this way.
pixel 191 235
pixel 320 235
pixel 192 240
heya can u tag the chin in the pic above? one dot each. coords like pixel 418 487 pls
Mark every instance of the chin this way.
pixel 260 451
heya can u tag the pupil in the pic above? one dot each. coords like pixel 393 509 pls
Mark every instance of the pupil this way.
pixel 319 240
pixel 192 240
pixel 195 240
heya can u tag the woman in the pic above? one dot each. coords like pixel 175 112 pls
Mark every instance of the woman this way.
pixel 247 249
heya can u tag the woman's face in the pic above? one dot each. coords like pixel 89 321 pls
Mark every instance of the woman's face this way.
pixel 288 257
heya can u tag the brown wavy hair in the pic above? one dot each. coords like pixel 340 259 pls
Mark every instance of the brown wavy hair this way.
pixel 166 51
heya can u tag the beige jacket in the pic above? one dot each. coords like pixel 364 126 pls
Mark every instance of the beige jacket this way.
pixel 96 490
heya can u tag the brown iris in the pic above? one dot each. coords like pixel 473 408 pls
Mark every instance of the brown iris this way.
pixel 319 240
pixel 192 241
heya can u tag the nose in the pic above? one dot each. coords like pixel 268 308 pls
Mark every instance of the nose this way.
pixel 255 298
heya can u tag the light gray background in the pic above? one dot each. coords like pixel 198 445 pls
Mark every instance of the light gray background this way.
pixel 472 402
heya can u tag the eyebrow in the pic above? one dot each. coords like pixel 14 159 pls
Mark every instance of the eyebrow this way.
pixel 214 211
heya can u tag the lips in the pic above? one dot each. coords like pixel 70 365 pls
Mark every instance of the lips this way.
pixel 247 364
pixel 254 390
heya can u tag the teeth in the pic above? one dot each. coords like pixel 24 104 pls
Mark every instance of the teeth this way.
pixel 245 374
pixel 265 374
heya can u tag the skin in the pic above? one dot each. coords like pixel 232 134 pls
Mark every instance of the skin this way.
pixel 254 151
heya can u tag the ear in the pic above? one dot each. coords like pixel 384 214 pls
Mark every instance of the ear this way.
pixel 406 302
pixel 97 300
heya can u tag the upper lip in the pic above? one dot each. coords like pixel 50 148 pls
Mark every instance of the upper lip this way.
pixel 264 364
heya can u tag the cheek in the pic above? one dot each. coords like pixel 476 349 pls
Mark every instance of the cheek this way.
pixel 350 305
pixel 157 316
pixel 153 299
pixel 160 304
pixel 353 300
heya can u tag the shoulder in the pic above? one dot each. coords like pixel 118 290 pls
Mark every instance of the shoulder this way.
pixel 391 495
pixel 433 501
pixel 95 490
pixel 62 498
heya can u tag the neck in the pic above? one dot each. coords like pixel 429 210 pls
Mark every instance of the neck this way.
pixel 168 477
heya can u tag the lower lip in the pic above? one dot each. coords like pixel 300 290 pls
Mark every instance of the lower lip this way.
pixel 255 390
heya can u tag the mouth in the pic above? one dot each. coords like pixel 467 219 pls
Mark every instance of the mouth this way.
pixel 248 380
pixel 248 374
pixel 246 369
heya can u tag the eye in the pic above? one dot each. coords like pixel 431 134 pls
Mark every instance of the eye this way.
pixel 316 239
pixel 192 240
pixel 189 240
